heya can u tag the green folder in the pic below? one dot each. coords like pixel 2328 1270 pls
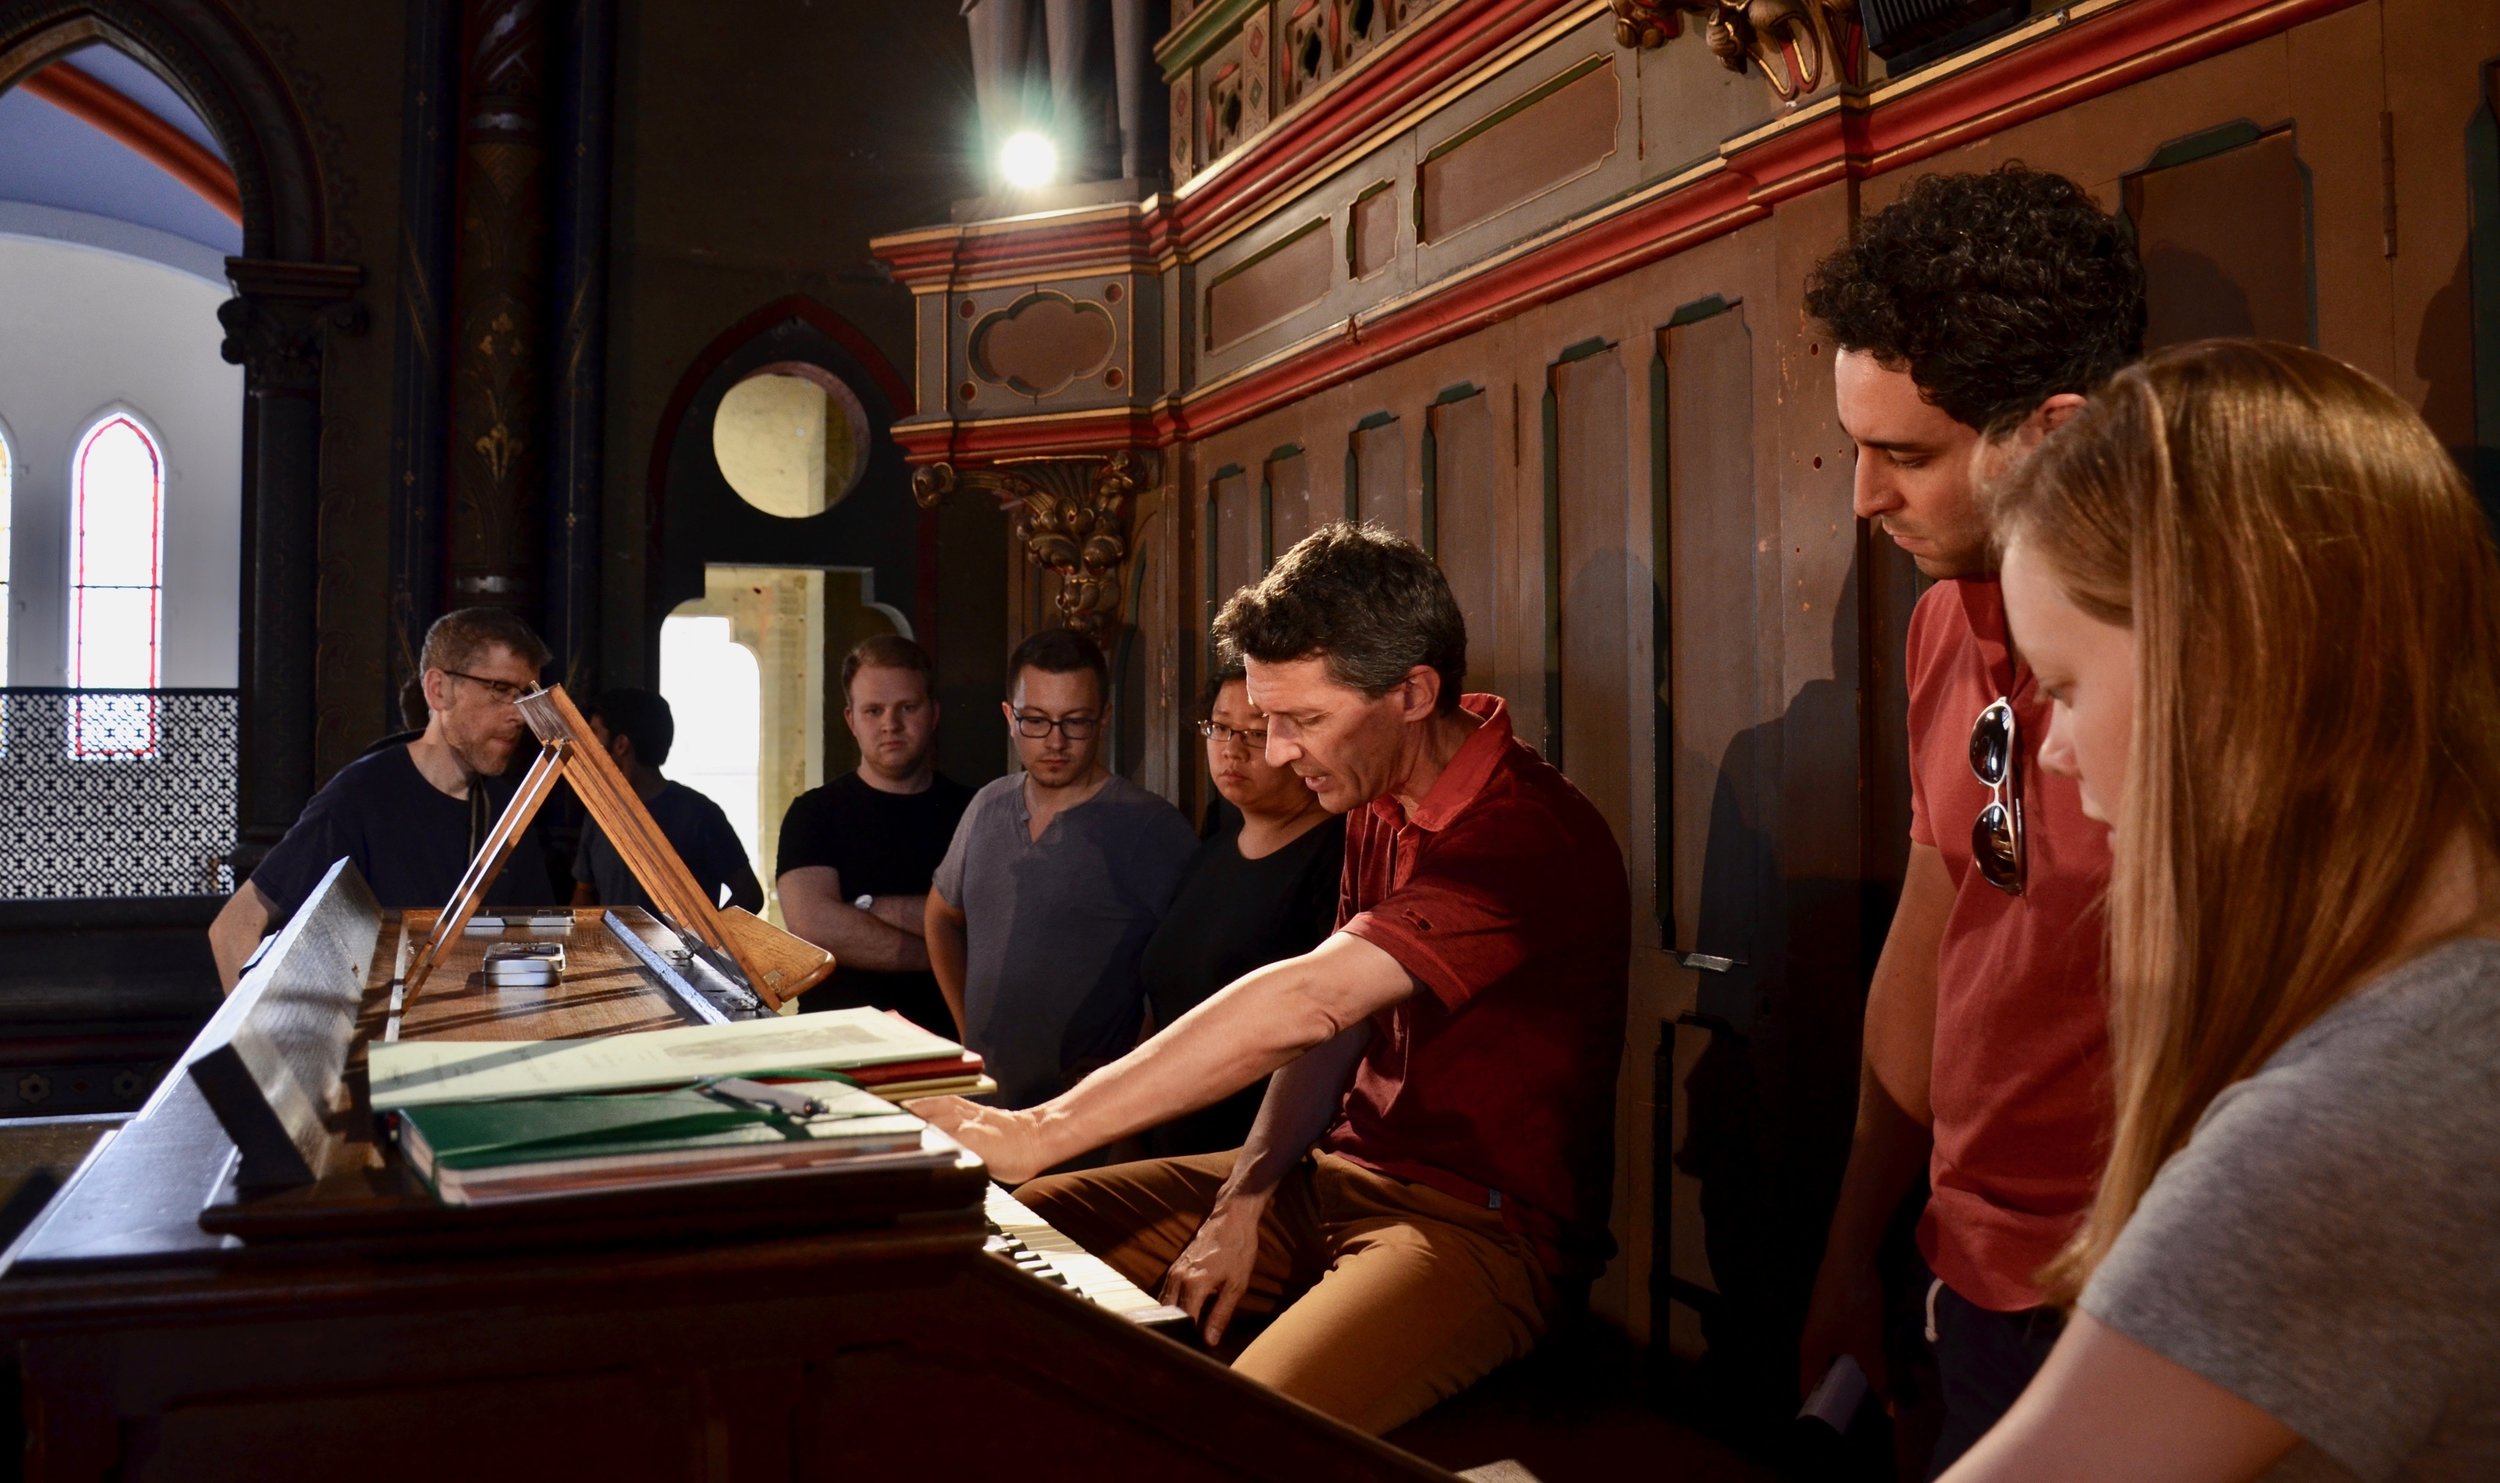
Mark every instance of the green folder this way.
pixel 540 1146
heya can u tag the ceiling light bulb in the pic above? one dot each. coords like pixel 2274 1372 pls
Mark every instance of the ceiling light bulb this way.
pixel 1029 161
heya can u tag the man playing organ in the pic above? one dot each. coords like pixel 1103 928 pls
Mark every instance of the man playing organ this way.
pixel 1433 1161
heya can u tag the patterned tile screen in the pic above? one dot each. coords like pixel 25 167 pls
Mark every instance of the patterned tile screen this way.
pixel 117 792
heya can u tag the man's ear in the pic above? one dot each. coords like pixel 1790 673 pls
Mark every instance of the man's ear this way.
pixel 1420 693
pixel 2047 418
pixel 437 690
pixel 621 747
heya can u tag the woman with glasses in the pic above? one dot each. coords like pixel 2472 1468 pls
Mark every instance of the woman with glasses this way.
pixel 1262 887
pixel 2268 615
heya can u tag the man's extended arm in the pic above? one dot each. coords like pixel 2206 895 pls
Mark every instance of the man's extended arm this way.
pixel 238 929
pixel 1209 1276
pixel 942 930
pixel 813 905
pixel 1259 1022
pixel 1890 1145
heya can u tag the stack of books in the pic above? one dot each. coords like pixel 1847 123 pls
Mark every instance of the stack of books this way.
pixel 482 1122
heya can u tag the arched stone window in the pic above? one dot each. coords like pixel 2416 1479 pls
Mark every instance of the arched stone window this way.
pixel 116 595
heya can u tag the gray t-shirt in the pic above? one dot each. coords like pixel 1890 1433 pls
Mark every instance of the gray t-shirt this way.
pixel 1055 926
pixel 2327 1246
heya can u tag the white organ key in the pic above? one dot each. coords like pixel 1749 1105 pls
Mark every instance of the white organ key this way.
pixel 1087 1274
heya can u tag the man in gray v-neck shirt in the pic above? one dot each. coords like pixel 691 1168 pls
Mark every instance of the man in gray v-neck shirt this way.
pixel 1055 879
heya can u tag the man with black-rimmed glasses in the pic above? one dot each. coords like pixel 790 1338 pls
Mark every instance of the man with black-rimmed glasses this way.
pixel 1055 879
pixel 411 816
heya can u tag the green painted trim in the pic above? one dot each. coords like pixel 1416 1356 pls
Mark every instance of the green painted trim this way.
pixel 1284 451
pixel 2204 144
pixel 1550 417
pixel 1595 345
pixel 1267 523
pixel 1229 471
pixel 1353 484
pixel 1692 313
pixel 2482 239
pixel 1521 104
pixel 1216 22
pixel 1459 393
pixel 1377 419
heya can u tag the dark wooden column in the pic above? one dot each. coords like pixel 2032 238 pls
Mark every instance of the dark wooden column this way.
pixel 499 286
pixel 578 392
pixel 277 327
pixel 420 425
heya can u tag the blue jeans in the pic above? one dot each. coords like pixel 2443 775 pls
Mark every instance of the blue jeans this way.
pixel 1983 1360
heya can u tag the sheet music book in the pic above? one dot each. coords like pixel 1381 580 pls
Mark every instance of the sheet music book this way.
pixel 426 1073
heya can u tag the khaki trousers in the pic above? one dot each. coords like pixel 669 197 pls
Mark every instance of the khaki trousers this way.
pixel 1386 1296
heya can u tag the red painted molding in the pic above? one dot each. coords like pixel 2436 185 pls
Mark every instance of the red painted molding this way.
pixel 112 113
pixel 1853 140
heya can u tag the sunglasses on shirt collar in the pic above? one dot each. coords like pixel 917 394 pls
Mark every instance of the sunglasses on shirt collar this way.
pixel 1996 836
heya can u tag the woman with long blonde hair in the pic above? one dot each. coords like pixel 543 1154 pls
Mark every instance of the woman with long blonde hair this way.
pixel 2268 614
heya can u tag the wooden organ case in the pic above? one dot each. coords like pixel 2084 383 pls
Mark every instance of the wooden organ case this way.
pixel 175 1315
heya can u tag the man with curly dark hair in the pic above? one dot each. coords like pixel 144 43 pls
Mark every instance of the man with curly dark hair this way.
pixel 1969 319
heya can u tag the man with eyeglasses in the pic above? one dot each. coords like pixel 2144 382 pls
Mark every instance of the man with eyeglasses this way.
pixel 857 855
pixel 1970 319
pixel 1055 879
pixel 412 816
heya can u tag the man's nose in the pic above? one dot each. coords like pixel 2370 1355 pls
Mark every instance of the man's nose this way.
pixel 1871 491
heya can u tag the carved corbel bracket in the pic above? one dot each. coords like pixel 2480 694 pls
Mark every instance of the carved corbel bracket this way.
pixel 1799 44
pixel 281 316
pixel 1071 519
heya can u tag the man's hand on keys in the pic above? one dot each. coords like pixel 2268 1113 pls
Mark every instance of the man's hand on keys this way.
pixel 1009 1142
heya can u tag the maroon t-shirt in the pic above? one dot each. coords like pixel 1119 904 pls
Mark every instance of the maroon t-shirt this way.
pixel 1505 898
pixel 2020 1089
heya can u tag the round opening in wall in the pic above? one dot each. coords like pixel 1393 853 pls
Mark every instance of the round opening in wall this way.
pixel 791 440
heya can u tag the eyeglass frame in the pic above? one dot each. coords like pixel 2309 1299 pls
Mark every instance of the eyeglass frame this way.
pixel 2004 800
pixel 494 687
pixel 1223 735
pixel 1074 728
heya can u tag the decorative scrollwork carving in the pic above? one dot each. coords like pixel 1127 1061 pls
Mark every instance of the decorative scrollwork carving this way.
pixel 1071 518
pixel 1798 44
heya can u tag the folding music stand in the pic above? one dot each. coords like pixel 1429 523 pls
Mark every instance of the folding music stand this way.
pixel 775 965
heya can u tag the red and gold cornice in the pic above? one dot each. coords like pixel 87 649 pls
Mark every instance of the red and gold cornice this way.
pixel 2055 62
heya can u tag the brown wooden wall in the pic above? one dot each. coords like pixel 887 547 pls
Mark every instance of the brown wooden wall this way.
pixel 1641 497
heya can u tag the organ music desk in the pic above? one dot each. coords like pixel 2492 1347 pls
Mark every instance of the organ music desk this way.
pixel 168 1326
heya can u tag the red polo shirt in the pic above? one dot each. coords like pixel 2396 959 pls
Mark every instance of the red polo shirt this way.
pixel 2021 1083
pixel 1505 898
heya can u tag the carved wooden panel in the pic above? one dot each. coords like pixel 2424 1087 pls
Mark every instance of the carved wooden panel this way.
pixel 1290 502
pixel 1372 231
pixel 1711 775
pixel 1591 725
pixel 1306 55
pixel 1383 495
pixel 1279 282
pixel 2225 243
pixel 1559 130
pixel 1236 556
pixel 1462 518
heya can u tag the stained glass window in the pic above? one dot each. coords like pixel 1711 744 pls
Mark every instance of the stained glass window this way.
pixel 116 586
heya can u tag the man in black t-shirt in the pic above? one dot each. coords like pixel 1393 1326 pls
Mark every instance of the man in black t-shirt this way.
pixel 638 729
pixel 857 854
pixel 411 816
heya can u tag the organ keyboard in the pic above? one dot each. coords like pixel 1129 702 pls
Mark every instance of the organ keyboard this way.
pixel 1019 1236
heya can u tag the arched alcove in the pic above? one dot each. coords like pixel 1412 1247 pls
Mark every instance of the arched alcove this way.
pixel 288 302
